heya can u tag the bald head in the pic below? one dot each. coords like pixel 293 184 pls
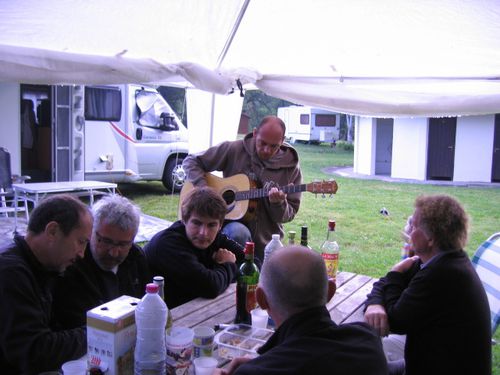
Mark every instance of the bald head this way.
pixel 293 279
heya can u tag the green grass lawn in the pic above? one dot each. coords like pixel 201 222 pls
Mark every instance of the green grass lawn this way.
pixel 369 242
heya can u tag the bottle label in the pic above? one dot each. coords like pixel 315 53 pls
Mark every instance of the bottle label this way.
pixel 251 298
pixel 332 264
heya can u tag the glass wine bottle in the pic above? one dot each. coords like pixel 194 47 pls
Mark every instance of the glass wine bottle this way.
pixel 246 284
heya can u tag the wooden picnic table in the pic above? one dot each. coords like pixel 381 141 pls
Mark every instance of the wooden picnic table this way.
pixel 345 306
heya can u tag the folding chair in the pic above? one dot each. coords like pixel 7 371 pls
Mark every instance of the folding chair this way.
pixel 7 202
pixel 486 260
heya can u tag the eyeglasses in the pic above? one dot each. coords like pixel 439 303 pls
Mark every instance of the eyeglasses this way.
pixel 109 243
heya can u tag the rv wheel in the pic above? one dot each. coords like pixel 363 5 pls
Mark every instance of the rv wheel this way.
pixel 173 174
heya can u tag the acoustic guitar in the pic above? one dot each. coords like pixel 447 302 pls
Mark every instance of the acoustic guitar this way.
pixel 238 193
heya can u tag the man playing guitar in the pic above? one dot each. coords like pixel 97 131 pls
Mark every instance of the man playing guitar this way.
pixel 265 159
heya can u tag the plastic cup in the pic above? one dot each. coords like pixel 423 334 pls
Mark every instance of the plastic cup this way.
pixel 77 367
pixel 203 351
pixel 203 336
pixel 259 318
pixel 205 365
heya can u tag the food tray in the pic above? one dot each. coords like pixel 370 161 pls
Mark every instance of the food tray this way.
pixel 239 340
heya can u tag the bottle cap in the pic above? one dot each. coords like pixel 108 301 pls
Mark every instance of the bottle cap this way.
pixel 249 246
pixel 331 224
pixel 158 279
pixel 276 236
pixel 152 288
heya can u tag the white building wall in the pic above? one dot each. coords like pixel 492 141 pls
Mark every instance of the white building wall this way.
pixel 409 148
pixel 10 121
pixel 474 148
pixel 364 146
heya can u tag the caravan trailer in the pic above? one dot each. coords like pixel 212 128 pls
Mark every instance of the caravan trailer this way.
pixel 112 133
pixel 309 124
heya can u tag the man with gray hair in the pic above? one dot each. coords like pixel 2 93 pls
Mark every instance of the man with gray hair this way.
pixel 294 289
pixel 112 265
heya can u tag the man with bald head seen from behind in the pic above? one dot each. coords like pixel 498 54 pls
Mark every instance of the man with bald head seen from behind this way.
pixel 294 289
pixel 58 231
pixel 267 161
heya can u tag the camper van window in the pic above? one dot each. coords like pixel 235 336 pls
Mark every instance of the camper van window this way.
pixel 152 109
pixel 326 120
pixel 103 104
pixel 304 119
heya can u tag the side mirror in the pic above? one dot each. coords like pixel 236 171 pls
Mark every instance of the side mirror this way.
pixel 169 123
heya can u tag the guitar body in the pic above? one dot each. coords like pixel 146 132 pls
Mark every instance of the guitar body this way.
pixel 227 188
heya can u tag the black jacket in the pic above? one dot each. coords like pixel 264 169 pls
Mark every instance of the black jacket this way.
pixel 190 272
pixel 28 342
pixel 443 310
pixel 85 285
pixel 311 343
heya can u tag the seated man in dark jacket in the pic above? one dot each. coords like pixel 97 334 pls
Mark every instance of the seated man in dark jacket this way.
pixel 435 297
pixel 294 289
pixel 58 231
pixel 112 266
pixel 193 256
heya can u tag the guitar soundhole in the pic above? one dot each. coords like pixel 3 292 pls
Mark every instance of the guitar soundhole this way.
pixel 228 196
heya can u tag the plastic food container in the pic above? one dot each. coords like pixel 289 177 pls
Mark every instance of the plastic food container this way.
pixel 241 339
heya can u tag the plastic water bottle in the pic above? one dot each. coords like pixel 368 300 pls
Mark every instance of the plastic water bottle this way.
pixel 274 244
pixel 150 319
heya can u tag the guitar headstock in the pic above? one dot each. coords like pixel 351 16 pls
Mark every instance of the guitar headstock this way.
pixel 322 187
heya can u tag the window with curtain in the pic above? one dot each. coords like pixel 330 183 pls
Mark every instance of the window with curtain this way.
pixel 103 103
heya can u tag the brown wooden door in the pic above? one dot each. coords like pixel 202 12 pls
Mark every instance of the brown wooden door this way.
pixel 441 148
pixel 495 169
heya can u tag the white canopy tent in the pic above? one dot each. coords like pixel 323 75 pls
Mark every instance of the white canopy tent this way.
pixel 376 58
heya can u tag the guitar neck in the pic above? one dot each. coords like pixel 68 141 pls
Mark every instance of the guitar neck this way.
pixel 260 193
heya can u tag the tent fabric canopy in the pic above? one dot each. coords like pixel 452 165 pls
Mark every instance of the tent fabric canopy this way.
pixel 384 58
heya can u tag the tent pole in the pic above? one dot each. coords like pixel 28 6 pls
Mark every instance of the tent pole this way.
pixel 229 40
pixel 221 58
pixel 212 116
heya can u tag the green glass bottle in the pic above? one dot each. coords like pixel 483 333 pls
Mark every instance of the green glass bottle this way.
pixel 160 281
pixel 303 237
pixel 248 278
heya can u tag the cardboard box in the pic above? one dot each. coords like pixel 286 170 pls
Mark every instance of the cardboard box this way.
pixel 111 335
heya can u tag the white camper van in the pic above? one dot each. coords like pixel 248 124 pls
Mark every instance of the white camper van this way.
pixel 309 124
pixel 114 133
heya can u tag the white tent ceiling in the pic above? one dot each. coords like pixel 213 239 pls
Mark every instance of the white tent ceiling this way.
pixel 379 58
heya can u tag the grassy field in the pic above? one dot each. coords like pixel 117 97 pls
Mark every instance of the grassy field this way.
pixel 369 242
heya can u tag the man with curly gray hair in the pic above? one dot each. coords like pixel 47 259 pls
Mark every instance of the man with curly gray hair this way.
pixel 112 265
pixel 435 297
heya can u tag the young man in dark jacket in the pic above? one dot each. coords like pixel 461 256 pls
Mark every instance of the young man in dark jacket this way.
pixel 111 267
pixel 193 256
pixel 58 231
